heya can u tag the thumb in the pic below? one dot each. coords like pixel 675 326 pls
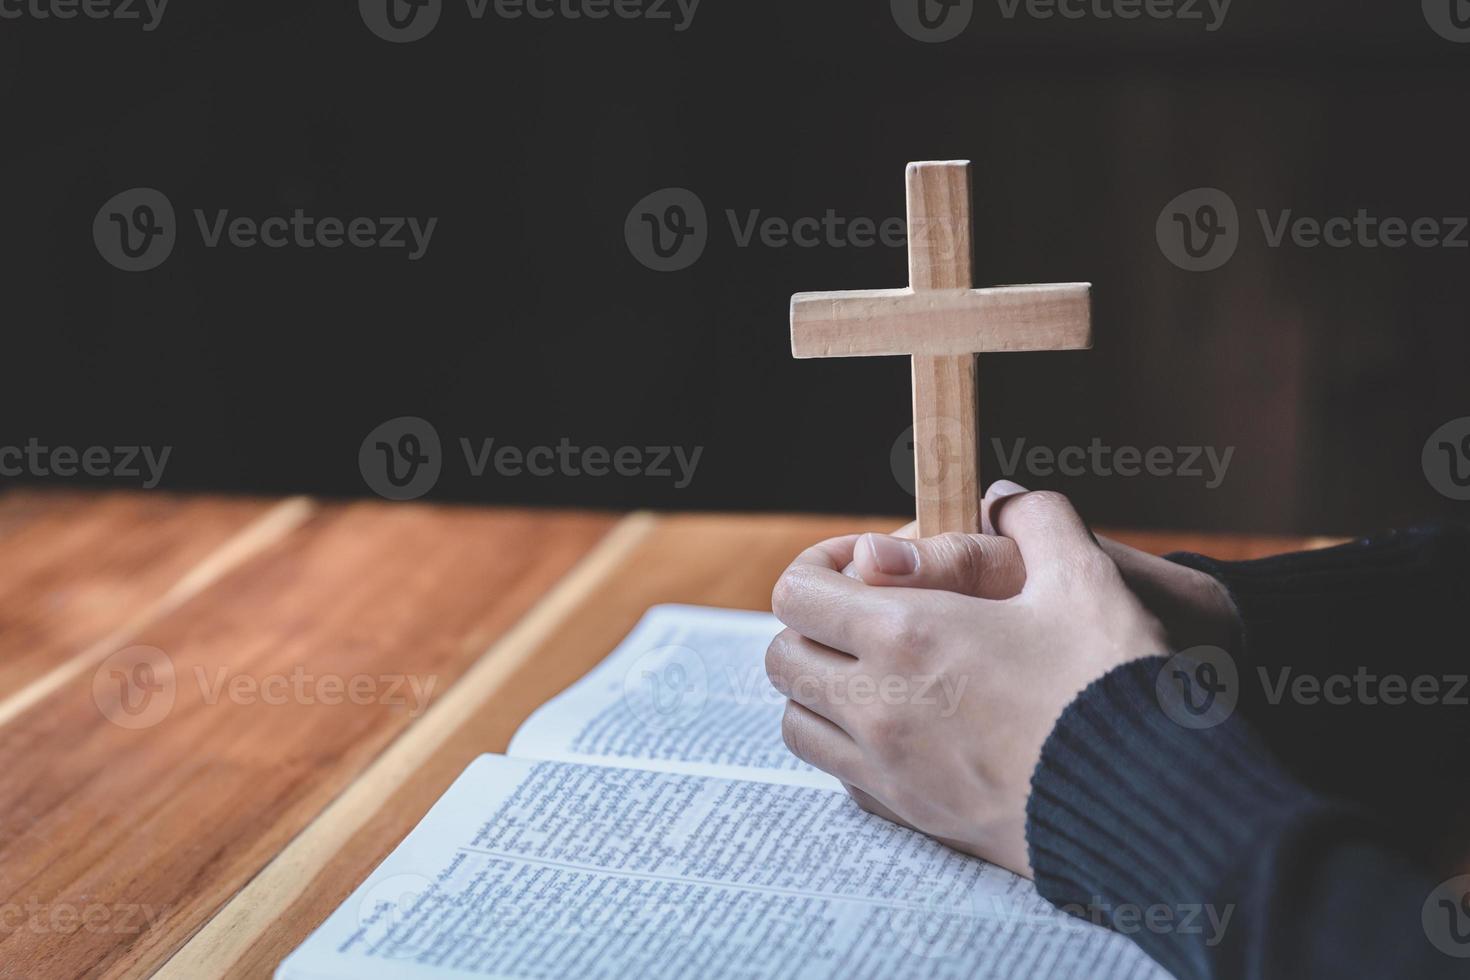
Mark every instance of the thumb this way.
pixel 971 564
pixel 1044 525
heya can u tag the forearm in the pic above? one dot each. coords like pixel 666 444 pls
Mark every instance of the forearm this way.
pixel 1219 864
pixel 1353 668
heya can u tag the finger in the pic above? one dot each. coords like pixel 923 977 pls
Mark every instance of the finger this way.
pixel 971 564
pixel 810 674
pixel 996 492
pixel 909 530
pixel 1047 529
pixel 817 742
pixel 834 553
pixel 819 602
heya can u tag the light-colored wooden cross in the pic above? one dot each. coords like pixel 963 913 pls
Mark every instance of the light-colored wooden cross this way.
pixel 942 323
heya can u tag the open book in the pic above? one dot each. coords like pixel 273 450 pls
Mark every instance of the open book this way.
pixel 649 822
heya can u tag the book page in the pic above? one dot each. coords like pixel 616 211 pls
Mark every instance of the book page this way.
pixel 558 870
pixel 686 691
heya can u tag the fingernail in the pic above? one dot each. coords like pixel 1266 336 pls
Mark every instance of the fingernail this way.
pixel 1003 488
pixel 893 556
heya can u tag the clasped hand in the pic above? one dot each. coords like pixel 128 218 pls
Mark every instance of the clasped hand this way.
pixel 926 675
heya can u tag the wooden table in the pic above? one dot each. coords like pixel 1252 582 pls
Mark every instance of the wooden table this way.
pixel 208 839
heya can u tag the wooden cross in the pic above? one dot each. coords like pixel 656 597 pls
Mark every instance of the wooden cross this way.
pixel 942 323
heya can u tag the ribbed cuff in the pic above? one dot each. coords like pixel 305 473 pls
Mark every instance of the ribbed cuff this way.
pixel 1160 830
pixel 1277 596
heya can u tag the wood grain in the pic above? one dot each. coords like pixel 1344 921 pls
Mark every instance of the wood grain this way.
pixel 78 566
pixel 946 444
pixel 941 322
pixel 940 199
pixel 997 319
pixel 718 560
pixel 713 560
pixel 292 672
pixel 218 837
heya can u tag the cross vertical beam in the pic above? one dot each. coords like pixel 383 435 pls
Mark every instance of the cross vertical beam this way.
pixel 946 409
pixel 942 322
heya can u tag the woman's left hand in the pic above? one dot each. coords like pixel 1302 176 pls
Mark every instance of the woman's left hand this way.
pixel 933 706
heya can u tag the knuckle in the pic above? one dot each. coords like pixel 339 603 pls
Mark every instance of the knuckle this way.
pixel 792 589
pixel 906 632
pixel 885 733
pixel 961 555
pixel 1040 503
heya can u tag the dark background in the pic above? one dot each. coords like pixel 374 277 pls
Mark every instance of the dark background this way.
pixel 529 320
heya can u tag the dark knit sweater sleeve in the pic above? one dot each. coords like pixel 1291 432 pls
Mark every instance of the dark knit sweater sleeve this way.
pixel 1287 839
pixel 1355 603
pixel 1216 862
pixel 1354 666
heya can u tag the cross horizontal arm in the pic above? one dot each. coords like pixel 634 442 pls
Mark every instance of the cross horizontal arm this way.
pixel 943 321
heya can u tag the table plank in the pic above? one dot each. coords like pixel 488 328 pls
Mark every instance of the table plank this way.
pixel 165 823
pixel 80 566
pixel 709 560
